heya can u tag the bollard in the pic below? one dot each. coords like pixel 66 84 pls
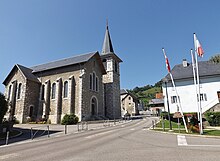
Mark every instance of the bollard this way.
pixel 7 136
pixel 153 124
pixel 65 131
pixel 163 125
pixel 31 134
pixel 87 126
pixel 48 131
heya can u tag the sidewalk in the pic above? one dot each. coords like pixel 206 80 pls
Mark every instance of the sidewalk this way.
pixel 41 130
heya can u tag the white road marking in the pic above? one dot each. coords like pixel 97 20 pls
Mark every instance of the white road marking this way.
pixel 181 139
pixel 7 156
pixel 204 145
pixel 132 129
pixel 99 134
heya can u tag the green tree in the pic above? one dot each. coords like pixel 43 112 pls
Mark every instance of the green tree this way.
pixel 215 59
pixel 3 107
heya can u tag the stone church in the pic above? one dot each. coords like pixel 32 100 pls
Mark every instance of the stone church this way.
pixel 87 85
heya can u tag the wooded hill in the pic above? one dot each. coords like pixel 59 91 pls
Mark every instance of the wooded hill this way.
pixel 147 92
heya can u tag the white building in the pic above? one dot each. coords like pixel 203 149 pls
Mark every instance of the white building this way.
pixel 183 78
pixel 129 103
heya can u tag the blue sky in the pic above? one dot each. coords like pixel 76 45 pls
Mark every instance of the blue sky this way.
pixel 33 32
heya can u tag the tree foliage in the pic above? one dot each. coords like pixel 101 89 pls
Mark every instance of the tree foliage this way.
pixel 215 59
pixel 3 107
pixel 147 92
pixel 213 118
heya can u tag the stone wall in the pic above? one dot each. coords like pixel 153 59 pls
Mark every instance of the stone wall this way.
pixel 59 106
pixel 92 66
pixel 31 101
pixel 16 105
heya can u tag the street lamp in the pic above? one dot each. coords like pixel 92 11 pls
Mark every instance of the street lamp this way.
pixel 168 107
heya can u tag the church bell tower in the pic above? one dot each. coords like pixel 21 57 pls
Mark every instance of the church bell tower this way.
pixel 111 79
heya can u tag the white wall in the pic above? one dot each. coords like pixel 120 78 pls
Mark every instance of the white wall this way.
pixel 187 93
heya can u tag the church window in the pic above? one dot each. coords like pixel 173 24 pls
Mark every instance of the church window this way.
pixel 42 92
pixel 65 89
pixel 93 81
pixel 129 98
pixel 19 91
pixel 31 111
pixel 90 82
pixel 116 66
pixel 53 90
pixel 96 82
pixel 9 92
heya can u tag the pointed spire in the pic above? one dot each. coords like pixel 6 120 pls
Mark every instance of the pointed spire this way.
pixel 107 44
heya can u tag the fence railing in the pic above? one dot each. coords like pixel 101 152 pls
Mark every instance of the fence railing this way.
pixel 39 131
pixel 82 126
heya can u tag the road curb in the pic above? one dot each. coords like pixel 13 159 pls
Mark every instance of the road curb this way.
pixel 194 135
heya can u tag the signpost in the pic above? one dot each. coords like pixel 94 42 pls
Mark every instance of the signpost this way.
pixel 178 115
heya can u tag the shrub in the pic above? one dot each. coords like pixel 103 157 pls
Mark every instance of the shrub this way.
pixel 70 119
pixel 213 118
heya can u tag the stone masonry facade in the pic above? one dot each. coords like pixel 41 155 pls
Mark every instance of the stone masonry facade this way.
pixel 86 85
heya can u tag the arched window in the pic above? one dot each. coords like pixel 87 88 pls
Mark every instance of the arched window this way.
pixel 31 111
pixel 9 92
pixel 65 89
pixel 42 92
pixel 19 91
pixel 96 84
pixel 53 91
pixel 93 81
pixel 90 82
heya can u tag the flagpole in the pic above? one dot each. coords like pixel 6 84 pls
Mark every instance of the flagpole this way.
pixel 195 84
pixel 178 102
pixel 198 86
pixel 178 99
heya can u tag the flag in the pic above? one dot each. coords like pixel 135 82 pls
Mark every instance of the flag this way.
pixel 198 46
pixel 167 61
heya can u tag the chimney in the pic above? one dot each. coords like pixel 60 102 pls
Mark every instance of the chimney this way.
pixel 185 63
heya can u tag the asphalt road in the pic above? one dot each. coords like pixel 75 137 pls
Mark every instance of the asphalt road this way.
pixel 128 142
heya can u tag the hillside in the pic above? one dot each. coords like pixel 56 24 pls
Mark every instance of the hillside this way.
pixel 147 92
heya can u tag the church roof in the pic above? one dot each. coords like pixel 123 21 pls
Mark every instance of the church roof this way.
pixel 64 62
pixel 206 69
pixel 26 72
pixel 123 91
pixel 107 44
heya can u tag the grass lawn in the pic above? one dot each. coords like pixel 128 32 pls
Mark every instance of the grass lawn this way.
pixel 167 124
pixel 212 132
pixel 175 129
